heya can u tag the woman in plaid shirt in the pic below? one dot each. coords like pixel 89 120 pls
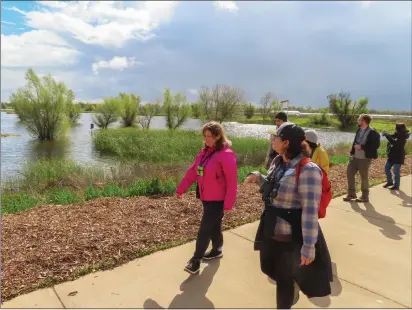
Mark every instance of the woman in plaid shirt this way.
pixel 293 251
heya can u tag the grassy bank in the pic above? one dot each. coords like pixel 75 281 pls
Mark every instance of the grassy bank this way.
pixel 63 182
pixel 305 121
pixel 156 173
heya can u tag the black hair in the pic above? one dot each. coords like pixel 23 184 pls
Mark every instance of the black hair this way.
pixel 312 145
pixel 282 116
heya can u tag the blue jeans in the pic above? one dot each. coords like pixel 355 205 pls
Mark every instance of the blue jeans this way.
pixel 396 171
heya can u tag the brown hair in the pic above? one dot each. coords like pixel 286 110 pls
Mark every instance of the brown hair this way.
pixel 217 131
pixel 401 128
pixel 296 148
pixel 366 117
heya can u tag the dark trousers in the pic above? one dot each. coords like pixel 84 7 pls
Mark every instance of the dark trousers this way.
pixel 278 261
pixel 396 172
pixel 210 228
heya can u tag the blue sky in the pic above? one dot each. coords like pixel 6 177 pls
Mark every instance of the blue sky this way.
pixel 301 51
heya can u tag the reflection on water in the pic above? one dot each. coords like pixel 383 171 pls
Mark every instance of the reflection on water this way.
pixel 77 144
pixel 47 149
pixel 17 150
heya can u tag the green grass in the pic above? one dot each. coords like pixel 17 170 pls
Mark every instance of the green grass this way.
pixel 65 182
pixel 305 121
pixel 14 202
pixel 169 146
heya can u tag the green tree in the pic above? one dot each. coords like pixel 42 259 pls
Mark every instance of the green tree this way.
pixel 107 112
pixel 147 112
pixel 176 108
pixel 128 108
pixel 276 106
pixel 249 111
pixel 345 109
pixel 41 105
pixel 90 107
pixel 73 113
pixel 196 110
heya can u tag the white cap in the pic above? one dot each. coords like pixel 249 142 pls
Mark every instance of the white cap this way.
pixel 311 136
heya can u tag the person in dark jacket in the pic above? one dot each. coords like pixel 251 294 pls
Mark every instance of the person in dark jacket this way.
pixel 280 118
pixel 396 155
pixel 364 148
pixel 293 251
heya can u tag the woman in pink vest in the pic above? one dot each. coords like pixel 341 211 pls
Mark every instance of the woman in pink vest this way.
pixel 215 171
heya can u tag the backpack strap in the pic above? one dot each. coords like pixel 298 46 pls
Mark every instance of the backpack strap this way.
pixel 302 162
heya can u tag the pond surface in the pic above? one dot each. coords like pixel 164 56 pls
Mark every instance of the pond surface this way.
pixel 21 147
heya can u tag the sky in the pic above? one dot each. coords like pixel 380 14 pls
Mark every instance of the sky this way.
pixel 300 51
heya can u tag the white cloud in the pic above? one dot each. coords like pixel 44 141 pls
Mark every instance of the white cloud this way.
pixel 36 48
pixel 366 4
pixel 7 23
pixel 116 63
pixel 230 6
pixel 107 23
pixel 193 91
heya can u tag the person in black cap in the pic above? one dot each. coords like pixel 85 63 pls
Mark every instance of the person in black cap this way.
pixel 280 118
pixel 293 251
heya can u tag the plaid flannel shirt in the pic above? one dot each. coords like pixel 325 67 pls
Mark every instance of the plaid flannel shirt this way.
pixel 305 195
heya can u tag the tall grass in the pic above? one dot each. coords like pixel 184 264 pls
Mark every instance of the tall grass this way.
pixel 159 182
pixel 170 146
pixel 51 173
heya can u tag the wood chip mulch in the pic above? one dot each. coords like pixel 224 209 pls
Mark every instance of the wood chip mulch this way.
pixel 51 244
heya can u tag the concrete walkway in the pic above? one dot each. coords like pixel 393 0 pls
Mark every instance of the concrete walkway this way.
pixel 370 245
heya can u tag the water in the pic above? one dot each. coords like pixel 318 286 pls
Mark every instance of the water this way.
pixel 17 150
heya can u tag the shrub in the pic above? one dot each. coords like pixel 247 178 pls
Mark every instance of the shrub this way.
pixel 41 105
pixel 107 113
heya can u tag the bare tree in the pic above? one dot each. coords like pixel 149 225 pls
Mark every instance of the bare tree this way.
pixel 147 112
pixel 266 104
pixel 221 103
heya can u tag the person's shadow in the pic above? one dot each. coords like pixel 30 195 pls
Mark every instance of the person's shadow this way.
pixel 336 290
pixel 194 291
pixel 406 200
pixel 386 224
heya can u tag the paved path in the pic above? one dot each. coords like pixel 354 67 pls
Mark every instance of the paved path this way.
pixel 370 245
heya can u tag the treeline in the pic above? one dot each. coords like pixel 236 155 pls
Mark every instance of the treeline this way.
pixel 47 107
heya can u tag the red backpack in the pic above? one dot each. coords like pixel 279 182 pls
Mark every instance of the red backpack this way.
pixel 326 196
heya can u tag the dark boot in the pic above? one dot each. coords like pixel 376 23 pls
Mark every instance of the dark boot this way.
pixel 394 188
pixel 193 266
pixel 362 199
pixel 349 198
pixel 213 254
pixel 387 185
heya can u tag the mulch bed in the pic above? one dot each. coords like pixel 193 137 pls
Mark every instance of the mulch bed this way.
pixel 52 244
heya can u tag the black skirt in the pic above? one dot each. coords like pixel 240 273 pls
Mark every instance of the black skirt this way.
pixel 276 257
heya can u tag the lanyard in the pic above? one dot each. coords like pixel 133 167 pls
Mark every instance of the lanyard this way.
pixel 205 159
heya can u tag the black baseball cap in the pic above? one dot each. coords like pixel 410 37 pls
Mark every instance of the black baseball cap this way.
pixel 289 131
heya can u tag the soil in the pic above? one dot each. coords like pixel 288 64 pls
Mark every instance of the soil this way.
pixel 54 243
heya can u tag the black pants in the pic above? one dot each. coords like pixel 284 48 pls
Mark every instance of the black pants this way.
pixel 210 228
pixel 278 261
